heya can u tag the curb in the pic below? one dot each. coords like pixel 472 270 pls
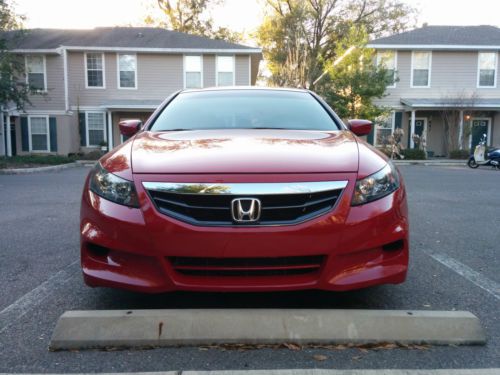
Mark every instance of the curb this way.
pixel 50 168
pixel 192 327
pixel 460 163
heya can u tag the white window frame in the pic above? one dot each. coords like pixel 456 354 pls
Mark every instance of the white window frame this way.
pixel 379 53
pixel 48 134
pixel 217 68
pixel 105 138
pixel 103 70
pixel 393 124
pixel 44 71
pixel 479 70
pixel 118 71
pixel 430 70
pixel 184 71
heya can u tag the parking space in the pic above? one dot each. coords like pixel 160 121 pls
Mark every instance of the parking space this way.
pixel 454 265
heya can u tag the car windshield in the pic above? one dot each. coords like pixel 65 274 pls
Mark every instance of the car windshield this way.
pixel 244 109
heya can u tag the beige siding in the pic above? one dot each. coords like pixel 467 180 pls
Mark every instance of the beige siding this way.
pixel 242 70
pixel 453 74
pixel 54 98
pixel 157 77
pixel 208 70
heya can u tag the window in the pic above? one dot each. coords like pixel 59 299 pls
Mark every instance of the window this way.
pixel 35 72
pixel 421 69
pixel 244 109
pixel 39 133
pixel 192 71
pixel 127 71
pixel 487 62
pixel 96 130
pixel 387 60
pixel 225 70
pixel 383 129
pixel 94 63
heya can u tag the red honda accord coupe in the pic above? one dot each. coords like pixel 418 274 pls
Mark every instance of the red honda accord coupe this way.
pixel 244 189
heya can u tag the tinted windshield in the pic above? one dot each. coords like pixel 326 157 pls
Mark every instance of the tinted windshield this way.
pixel 244 109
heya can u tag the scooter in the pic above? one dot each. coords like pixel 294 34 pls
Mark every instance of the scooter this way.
pixel 483 156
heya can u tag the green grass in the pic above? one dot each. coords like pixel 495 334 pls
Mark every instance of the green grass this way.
pixel 34 161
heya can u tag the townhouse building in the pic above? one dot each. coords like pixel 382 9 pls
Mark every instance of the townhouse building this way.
pixel 438 70
pixel 90 80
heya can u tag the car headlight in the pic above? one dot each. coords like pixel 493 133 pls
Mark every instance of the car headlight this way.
pixel 376 186
pixel 112 187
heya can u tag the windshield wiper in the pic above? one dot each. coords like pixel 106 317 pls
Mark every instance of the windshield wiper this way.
pixel 266 127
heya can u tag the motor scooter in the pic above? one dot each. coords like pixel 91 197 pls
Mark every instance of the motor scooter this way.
pixel 484 156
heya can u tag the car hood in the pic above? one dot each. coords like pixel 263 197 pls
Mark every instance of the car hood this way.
pixel 244 151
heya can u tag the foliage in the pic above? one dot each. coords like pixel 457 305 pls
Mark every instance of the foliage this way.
pixel 459 154
pixel 192 17
pixel 299 37
pixel 12 89
pixel 355 81
pixel 414 154
pixel 33 160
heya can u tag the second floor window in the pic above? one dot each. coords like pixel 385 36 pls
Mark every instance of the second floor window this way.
pixel 387 59
pixel 35 72
pixel 487 69
pixel 225 70
pixel 95 69
pixel 421 69
pixel 127 71
pixel 192 71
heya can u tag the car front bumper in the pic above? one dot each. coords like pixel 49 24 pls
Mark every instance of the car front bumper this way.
pixel 132 248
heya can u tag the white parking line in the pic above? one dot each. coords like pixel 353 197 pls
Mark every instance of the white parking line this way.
pixel 475 277
pixel 35 297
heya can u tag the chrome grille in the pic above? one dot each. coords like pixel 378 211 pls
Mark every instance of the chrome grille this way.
pixel 210 204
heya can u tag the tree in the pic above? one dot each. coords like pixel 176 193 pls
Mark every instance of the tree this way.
pixel 299 37
pixel 192 17
pixel 12 89
pixel 355 81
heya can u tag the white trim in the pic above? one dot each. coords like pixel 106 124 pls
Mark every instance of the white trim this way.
pixel 217 69
pixel 488 133
pixel 184 71
pixel 3 140
pixel 479 69
pixel 118 82
pixel 110 130
pixel 393 86
pixel 8 134
pixel 460 129
pixel 65 70
pixel 30 146
pixel 249 70
pixel 87 128
pixel 103 71
pixel 430 71
pixel 433 47
pixel 42 112
pixel 56 51
pixel 165 50
pixel 44 61
pixel 453 105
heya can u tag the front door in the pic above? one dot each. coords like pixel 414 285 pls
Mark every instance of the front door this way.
pixel 420 129
pixel 479 128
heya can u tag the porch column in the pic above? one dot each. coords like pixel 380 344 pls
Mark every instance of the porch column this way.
pixel 110 131
pixel 9 140
pixel 460 129
pixel 412 129
pixel 2 131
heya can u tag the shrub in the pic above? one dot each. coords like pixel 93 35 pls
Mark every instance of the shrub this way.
pixel 413 154
pixel 459 154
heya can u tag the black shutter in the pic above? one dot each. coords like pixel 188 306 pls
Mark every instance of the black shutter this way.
pixel 53 134
pixel 369 137
pixel 398 120
pixel 25 145
pixel 81 127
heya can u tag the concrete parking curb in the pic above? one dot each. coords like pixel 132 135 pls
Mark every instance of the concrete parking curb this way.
pixel 50 168
pixel 156 328
pixel 493 371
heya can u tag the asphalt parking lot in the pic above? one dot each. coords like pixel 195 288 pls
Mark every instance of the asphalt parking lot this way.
pixel 455 241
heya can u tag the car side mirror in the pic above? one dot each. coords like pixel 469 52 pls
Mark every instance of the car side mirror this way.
pixel 129 127
pixel 360 127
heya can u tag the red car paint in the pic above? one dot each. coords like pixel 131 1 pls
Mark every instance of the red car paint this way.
pixel 361 245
